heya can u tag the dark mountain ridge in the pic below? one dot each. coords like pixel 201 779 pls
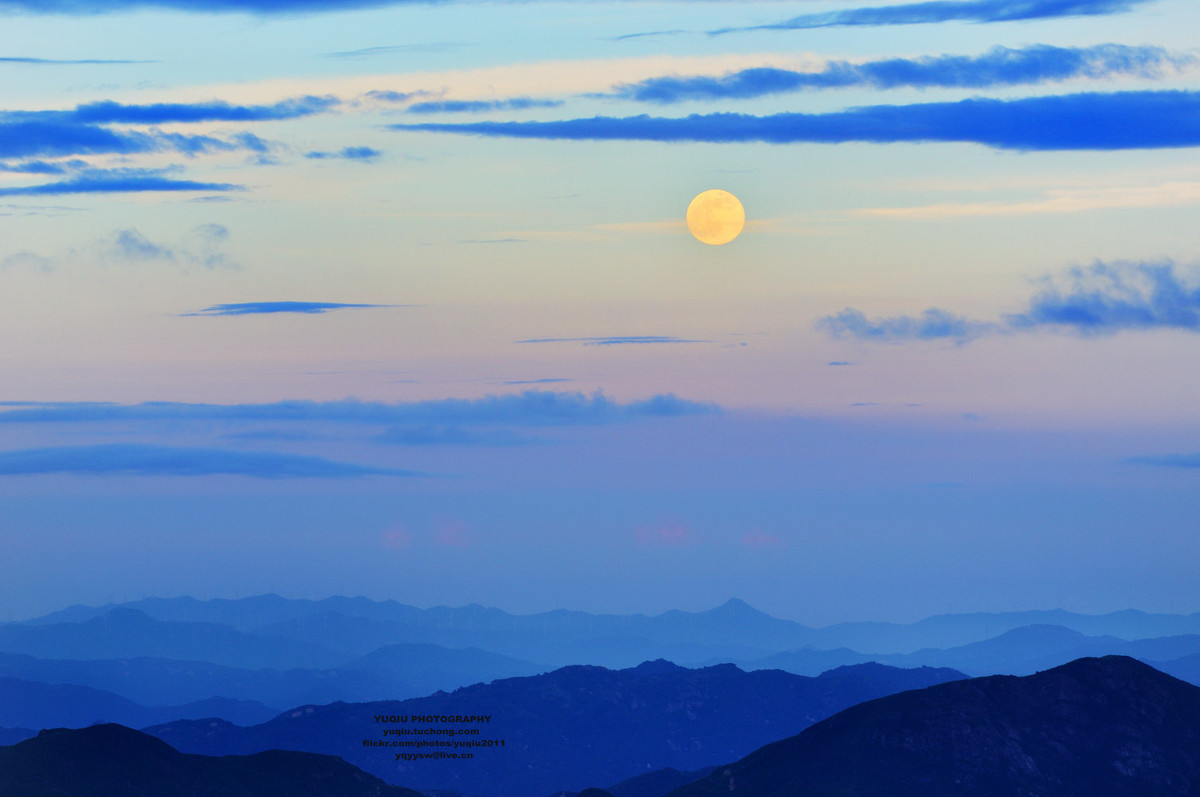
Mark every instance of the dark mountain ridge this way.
pixel 1109 727
pixel 109 760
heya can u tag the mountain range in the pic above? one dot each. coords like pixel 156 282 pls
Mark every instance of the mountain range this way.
pixel 572 728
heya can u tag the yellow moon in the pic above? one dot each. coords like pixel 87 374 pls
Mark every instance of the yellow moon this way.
pixel 716 217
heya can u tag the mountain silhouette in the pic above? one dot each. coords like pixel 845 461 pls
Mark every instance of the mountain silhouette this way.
pixel 1108 727
pixel 110 760
pixel 572 728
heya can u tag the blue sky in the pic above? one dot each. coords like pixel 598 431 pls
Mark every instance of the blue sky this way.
pixel 399 298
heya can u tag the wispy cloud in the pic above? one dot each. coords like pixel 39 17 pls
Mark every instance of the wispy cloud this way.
pixel 392 49
pixel 536 381
pixel 933 324
pixel 529 408
pixel 152 460
pixel 1169 460
pixel 67 61
pixel 346 153
pixel 948 11
pixel 1000 66
pixel 1088 121
pixel 1102 299
pixel 266 308
pixel 616 340
pixel 442 435
pixel 481 106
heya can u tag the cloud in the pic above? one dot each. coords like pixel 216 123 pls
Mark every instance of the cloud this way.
pixel 1087 121
pixel 1101 299
pixel 109 112
pixel 202 246
pixel 1169 461
pixel 346 153
pixel 44 167
pixel 265 7
pixel 63 61
pixel 536 381
pixel 99 181
pixel 616 340
pixel 1109 297
pixel 529 408
pixel 82 130
pixel 839 362
pixel 151 460
pixel 480 106
pixel 395 96
pixel 424 47
pixel 268 307
pixel 948 11
pixel 669 534
pixel 759 539
pixel 999 66
pixel 933 324
pixel 442 435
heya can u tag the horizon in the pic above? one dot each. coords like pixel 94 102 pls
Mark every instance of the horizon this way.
pixel 648 614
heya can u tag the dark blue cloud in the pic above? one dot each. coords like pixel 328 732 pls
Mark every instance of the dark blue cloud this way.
pixel 346 153
pixel 933 324
pixel 529 408
pixel 1109 297
pixel 44 167
pixel 999 66
pixel 151 460
pixel 616 340
pixel 1089 121
pixel 81 130
pixel 1102 299
pixel 51 138
pixel 839 362
pixel 120 181
pixel 536 381
pixel 480 106
pixel 263 308
pixel 949 11
pixel 109 112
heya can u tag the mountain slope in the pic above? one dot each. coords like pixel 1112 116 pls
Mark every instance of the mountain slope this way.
pixel 107 760
pixel 1110 727
pixel 572 728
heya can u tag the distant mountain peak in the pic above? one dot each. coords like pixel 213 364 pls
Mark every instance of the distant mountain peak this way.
pixel 736 606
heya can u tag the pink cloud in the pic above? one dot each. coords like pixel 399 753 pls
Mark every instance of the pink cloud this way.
pixel 396 539
pixel 670 533
pixel 759 539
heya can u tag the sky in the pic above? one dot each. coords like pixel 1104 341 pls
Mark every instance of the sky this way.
pixel 397 299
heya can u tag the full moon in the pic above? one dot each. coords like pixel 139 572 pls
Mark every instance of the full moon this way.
pixel 715 217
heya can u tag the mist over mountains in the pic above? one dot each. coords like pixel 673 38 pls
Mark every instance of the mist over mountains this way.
pixel 240 660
